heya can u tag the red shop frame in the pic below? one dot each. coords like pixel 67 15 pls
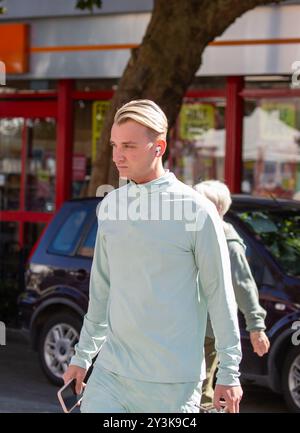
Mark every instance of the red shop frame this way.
pixel 59 104
pixel 25 108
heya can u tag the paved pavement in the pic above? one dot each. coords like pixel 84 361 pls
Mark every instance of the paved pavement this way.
pixel 24 387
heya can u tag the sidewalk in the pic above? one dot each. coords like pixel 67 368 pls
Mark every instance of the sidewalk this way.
pixel 24 388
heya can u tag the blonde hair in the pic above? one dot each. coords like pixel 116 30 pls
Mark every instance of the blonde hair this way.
pixel 217 192
pixel 146 113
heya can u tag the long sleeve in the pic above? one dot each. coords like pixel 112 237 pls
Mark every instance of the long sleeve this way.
pixel 93 332
pixel 145 311
pixel 245 288
pixel 214 279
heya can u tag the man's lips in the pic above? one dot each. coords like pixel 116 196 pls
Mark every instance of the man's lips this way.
pixel 121 166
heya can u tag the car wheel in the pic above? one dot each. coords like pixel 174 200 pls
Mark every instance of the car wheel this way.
pixel 56 345
pixel 291 379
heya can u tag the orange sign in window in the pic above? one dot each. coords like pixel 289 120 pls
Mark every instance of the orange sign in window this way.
pixel 14 47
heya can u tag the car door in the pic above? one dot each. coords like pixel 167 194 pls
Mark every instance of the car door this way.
pixel 267 285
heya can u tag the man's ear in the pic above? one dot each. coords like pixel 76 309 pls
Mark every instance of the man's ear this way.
pixel 162 144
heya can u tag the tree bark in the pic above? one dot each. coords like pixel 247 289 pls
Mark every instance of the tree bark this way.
pixel 165 63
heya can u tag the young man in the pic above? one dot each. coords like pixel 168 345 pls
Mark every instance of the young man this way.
pixel 147 314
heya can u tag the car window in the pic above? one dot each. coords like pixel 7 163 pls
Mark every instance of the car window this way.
pixel 262 224
pixel 280 233
pixel 69 233
pixel 87 247
pixel 260 271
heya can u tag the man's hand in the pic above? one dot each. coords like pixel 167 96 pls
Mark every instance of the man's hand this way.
pixel 76 372
pixel 228 396
pixel 260 342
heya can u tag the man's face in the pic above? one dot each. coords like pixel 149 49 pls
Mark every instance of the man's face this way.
pixel 133 150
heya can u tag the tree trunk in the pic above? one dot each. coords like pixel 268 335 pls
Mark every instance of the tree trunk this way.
pixel 165 63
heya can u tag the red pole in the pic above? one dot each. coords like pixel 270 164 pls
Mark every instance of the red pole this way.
pixel 23 183
pixel 64 142
pixel 234 133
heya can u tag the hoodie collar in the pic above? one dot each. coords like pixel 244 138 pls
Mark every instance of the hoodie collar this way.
pixel 160 183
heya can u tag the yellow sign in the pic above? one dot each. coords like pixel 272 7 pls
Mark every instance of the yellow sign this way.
pixel 43 175
pixel 195 120
pixel 98 114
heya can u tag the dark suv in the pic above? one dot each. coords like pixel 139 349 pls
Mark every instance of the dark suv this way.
pixel 57 280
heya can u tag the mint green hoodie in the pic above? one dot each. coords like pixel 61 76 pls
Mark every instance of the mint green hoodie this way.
pixel 148 310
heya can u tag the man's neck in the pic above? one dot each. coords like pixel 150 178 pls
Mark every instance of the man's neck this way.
pixel 151 176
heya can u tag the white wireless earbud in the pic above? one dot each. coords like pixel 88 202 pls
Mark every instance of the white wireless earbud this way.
pixel 158 149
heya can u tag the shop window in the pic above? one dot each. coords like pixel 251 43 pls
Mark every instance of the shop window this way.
pixel 89 116
pixel 41 165
pixel 39 145
pixel 10 162
pixel 197 148
pixel 271 148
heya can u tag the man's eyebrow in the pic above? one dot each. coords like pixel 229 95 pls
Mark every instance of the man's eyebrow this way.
pixel 124 142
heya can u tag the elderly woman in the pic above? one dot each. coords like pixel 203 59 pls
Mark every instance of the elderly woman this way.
pixel 245 288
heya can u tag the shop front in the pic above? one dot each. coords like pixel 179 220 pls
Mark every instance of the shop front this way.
pixel 247 137
pixel 33 164
pixel 239 121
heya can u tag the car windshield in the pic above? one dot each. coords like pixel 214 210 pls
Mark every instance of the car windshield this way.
pixel 280 233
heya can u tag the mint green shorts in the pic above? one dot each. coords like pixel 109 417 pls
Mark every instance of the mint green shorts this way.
pixel 107 392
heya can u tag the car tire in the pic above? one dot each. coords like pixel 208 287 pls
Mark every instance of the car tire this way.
pixel 291 379
pixel 56 344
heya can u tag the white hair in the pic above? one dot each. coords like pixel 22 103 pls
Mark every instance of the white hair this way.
pixel 217 192
pixel 146 113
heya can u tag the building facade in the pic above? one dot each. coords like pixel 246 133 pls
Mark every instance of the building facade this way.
pixel 239 122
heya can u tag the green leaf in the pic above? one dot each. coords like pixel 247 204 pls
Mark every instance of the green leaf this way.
pixel 2 9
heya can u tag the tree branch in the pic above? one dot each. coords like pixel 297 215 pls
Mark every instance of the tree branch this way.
pixel 165 63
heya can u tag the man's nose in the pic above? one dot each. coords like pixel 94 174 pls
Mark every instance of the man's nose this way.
pixel 117 155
